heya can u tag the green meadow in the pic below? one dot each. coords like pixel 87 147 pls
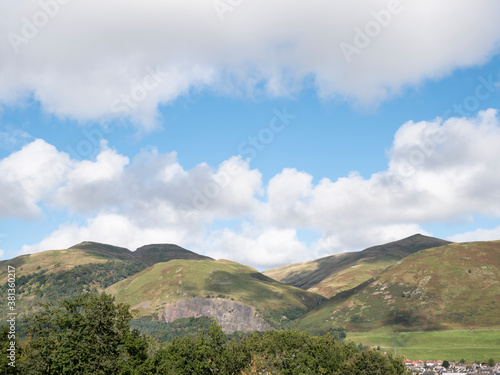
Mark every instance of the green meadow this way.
pixel 445 345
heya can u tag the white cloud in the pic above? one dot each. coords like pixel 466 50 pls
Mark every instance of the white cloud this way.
pixel 356 238
pixel 29 176
pixel 438 172
pixel 263 248
pixel 109 228
pixel 92 184
pixel 93 59
pixel 477 235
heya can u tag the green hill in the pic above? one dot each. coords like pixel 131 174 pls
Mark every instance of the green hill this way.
pixel 456 286
pixel 89 266
pixel 153 289
pixel 152 254
pixel 333 274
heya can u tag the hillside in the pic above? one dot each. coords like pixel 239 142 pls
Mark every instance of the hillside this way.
pixel 152 254
pixel 336 273
pixel 165 289
pixel 456 286
pixel 88 266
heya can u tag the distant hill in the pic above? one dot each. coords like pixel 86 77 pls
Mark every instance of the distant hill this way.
pixel 456 286
pixel 336 273
pixel 88 266
pixel 152 254
pixel 184 288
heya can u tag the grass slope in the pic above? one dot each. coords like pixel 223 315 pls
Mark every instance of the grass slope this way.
pixel 60 260
pixel 452 287
pixel 152 254
pixel 454 346
pixel 89 266
pixel 336 273
pixel 151 289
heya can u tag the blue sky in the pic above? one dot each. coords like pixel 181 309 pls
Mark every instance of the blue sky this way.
pixel 264 147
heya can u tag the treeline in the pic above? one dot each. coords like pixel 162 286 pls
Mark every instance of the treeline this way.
pixel 91 335
pixel 44 286
pixel 164 331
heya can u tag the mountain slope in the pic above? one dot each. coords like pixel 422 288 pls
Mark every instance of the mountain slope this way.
pixel 50 275
pixel 153 290
pixel 333 274
pixel 456 286
pixel 57 260
pixel 152 254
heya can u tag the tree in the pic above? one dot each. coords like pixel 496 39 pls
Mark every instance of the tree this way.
pixel 491 362
pixel 373 363
pixel 446 364
pixel 87 335
pixel 8 362
pixel 208 353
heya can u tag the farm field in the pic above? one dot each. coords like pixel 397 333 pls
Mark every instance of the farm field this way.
pixel 471 346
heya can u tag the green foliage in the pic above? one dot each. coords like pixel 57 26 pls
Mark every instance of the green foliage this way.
pixel 284 318
pixel 87 335
pixel 47 286
pixel 294 352
pixel 491 362
pixel 446 364
pixel 6 340
pixel 279 352
pixel 164 331
pixel 91 335
pixel 373 363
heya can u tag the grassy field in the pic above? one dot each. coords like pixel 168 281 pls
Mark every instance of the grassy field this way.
pixel 447 345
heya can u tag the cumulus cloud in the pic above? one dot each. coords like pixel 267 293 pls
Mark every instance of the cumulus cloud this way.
pixel 263 248
pixel 122 58
pixel 439 171
pixel 115 229
pixel 477 235
pixel 22 186
pixel 92 184
pixel 355 238
pixel 126 202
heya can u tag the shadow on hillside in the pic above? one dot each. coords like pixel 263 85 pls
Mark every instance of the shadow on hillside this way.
pixel 411 320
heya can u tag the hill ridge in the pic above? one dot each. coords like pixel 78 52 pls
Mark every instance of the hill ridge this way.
pixel 334 273
pixel 84 267
pixel 454 286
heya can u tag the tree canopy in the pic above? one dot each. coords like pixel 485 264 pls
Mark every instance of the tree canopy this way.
pixel 91 335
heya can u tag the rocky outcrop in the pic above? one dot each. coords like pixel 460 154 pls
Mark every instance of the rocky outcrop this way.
pixel 231 316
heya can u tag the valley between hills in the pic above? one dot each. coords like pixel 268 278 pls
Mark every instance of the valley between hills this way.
pixel 417 284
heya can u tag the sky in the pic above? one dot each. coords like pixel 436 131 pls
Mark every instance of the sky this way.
pixel 262 132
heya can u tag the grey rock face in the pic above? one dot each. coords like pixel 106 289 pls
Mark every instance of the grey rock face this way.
pixel 230 315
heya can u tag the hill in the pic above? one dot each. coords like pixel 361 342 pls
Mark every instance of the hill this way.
pixel 152 254
pixel 456 286
pixel 88 266
pixel 185 288
pixel 336 273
